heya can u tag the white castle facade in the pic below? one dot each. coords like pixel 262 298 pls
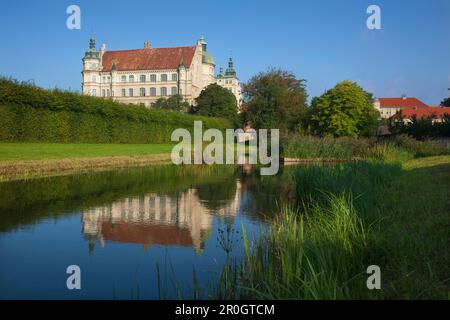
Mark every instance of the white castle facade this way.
pixel 141 76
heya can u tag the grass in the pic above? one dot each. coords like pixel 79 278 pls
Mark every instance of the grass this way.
pixel 352 216
pixel 398 148
pixel 49 151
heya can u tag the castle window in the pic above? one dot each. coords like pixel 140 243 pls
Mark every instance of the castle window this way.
pixel 123 79
pixel 94 92
pixel 174 77
pixel 173 91
pixel 142 78
pixel 94 79
pixel 124 93
pixel 153 92
pixel 107 93
pixel 131 78
pixel 153 78
pixel 142 92
pixel 163 91
pixel 130 92
pixel 104 92
pixel 164 77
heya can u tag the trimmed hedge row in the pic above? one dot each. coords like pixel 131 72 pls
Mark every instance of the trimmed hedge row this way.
pixel 32 114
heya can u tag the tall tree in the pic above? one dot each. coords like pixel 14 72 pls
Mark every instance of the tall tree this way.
pixel 275 99
pixel 345 110
pixel 216 101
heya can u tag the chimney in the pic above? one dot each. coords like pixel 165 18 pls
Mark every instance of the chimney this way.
pixel 147 45
pixel 404 96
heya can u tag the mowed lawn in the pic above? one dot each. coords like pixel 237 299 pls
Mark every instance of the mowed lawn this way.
pixel 47 151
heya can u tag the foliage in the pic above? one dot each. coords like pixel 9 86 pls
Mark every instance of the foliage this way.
pixel 32 114
pixel 275 99
pixel 173 103
pixel 422 128
pixel 345 110
pixel 446 102
pixel 216 101
pixel 345 148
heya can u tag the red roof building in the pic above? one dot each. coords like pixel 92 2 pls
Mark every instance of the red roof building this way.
pixel 388 107
pixel 434 113
pixel 148 59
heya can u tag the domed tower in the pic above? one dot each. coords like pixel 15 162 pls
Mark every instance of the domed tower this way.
pixel 91 70
pixel 230 81
pixel 208 63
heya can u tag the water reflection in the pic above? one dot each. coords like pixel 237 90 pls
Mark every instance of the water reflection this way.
pixel 182 219
pixel 129 220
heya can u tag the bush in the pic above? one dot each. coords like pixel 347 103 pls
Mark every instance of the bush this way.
pixel 32 114
pixel 345 148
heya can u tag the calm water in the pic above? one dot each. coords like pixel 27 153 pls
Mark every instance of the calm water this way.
pixel 119 226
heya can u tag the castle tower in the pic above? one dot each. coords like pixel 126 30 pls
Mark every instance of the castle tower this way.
pixel 91 67
pixel 230 81
pixel 208 63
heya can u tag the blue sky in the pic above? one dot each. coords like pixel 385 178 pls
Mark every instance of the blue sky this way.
pixel 323 42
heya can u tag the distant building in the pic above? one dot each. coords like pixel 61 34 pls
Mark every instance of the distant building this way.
pixel 230 81
pixel 436 114
pixel 141 76
pixel 390 106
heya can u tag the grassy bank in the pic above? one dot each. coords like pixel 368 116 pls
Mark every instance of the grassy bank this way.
pixel 399 148
pixel 29 160
pixel 51 151
pixel 352 216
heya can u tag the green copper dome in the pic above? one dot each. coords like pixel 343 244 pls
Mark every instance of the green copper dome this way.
pixel 208 58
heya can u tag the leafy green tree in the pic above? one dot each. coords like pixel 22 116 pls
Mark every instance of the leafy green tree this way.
pixel 173 103
pixel 216 101
pixel 345 110
pixel 446 102
pixel 275 99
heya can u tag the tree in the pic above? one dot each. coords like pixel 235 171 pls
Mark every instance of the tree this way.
pixel 446 102
pixel 275 99
pixel 216 101
pixel 173 103
pixel 345 110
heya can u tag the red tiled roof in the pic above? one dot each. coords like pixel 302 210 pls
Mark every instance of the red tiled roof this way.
pixel 148 59
pixel 147 234
pixel 401 103
pixel 430 112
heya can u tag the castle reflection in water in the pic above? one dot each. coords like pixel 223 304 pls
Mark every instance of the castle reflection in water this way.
pixel 156 219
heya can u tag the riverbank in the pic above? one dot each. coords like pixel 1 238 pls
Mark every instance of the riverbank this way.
pixel 352 216
pixel 30 160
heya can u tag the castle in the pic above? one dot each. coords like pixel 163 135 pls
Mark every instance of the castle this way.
pixel 142 76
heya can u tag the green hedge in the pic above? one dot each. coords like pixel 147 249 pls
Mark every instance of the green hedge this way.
pixel 32 114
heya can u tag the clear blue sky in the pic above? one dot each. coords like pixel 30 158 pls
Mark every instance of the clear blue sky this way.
pixel 321 41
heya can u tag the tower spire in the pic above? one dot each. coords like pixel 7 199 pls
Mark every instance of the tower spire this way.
pixel 92 42
pixel 230 70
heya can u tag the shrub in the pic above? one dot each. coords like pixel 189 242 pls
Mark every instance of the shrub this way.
pixel 32 114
